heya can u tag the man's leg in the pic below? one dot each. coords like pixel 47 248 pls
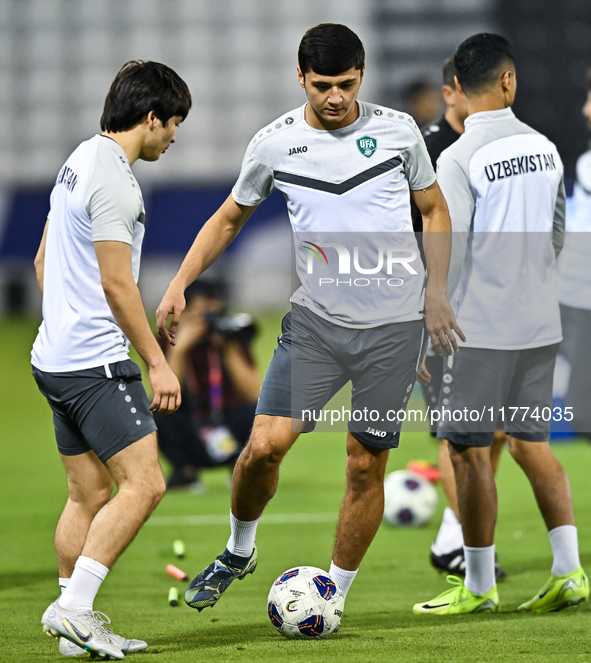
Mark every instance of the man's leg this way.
pixel 137 474
pixel 548 480
pixel 568 584
pixel 477 504
pixel 89 488
pixel 361 511
pixel 257 469
pixel 447 552
pixel 254 483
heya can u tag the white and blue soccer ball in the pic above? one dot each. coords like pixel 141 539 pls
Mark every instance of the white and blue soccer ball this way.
pixel 305 602
pixel 409 499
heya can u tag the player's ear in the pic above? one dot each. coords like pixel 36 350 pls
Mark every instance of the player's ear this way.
pixel 151 120
pixel 447 94
pixel 301 78
pixel 458 86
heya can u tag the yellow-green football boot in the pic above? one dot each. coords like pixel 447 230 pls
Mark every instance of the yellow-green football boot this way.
pixel 459 601
pixel 559 592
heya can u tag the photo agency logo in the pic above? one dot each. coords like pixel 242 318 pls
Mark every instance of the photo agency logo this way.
pixel 386 259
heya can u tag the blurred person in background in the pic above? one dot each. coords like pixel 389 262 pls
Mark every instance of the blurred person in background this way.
pixel 220 386
pixel 87 268
pixel 574 290
pixel 447 551
pixel 423 101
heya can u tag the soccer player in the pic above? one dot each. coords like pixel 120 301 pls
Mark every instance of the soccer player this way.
pixel 504 185
pixel 345 168
pixel 574 289
pixel 447 551
pixel 87 268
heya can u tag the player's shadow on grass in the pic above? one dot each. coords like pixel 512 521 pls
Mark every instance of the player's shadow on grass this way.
pixel 240 635
pixel 17 579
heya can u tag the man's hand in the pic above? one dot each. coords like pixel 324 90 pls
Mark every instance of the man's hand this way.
pixel 423 376
pixel 173 303
pixel 165 387
pixel 441 323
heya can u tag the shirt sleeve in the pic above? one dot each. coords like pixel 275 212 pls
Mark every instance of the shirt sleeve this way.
pixel 113 208
pixel 457 191
pixel 584 171
pixel 417 164
pixel 255 182
pixel 559 221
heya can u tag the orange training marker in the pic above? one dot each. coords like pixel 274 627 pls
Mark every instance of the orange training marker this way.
pixel 175 572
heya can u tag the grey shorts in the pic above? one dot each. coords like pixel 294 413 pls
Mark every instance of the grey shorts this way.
pixel 94 412
pixel 434 364
pixel 315 358
pixel 489 390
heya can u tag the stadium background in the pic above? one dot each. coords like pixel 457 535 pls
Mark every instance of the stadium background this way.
pixel 57 59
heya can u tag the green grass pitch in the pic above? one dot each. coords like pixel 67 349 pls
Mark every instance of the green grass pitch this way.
pixel 378 624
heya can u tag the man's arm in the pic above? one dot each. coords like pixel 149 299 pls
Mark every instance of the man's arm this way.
pixel 40 259
pixel 209 244
pixel 559 221
pixel 125 301
pixel 242 373
pixel 439 316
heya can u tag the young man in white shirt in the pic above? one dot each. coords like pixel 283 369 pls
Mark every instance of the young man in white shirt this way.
pixel 503 182
pixel 345 168
pixel 87 268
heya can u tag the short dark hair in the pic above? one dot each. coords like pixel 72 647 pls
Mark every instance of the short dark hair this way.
pixel 329 49
pixel 479 59
pixel 141 87
pixel 417 88
pixel 449 72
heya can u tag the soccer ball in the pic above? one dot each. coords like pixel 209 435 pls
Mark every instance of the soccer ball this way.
pixel 305 602
pixel 409 499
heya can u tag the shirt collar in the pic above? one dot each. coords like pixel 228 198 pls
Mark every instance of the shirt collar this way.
pixel 488 116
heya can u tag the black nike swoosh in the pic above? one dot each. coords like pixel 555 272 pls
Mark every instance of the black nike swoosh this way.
pixel 544 594
pixel 430 607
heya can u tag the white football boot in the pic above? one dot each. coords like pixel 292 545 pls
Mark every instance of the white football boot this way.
pixel 83 629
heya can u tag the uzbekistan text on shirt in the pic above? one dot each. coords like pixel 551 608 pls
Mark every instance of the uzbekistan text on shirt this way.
pixel 528 163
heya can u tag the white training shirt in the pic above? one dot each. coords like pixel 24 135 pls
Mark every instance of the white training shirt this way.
pixel 347 193
pixel 503 183
pixel 95 198
pixel 574 267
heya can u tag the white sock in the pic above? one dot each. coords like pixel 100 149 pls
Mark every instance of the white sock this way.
pixel 63 583
pixel 344 579
pixel 480 569
pixel 565 549
pixel 450 536
pixel 84 585
pixel 243 533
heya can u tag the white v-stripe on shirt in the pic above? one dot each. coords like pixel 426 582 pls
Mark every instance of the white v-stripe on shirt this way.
pixel 95 198
pixel 503 182
pixel 347 193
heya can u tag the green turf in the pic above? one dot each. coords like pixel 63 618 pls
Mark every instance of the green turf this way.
pixel 377 625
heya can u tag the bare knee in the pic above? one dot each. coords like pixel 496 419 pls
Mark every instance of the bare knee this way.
pixel 90 496
pixel 263 450
pixel 364 472
pixel 469 458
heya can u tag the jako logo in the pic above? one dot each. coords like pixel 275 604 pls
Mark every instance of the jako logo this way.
pixel 384 253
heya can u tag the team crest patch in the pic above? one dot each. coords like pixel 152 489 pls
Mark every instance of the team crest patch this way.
pixel 367 146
